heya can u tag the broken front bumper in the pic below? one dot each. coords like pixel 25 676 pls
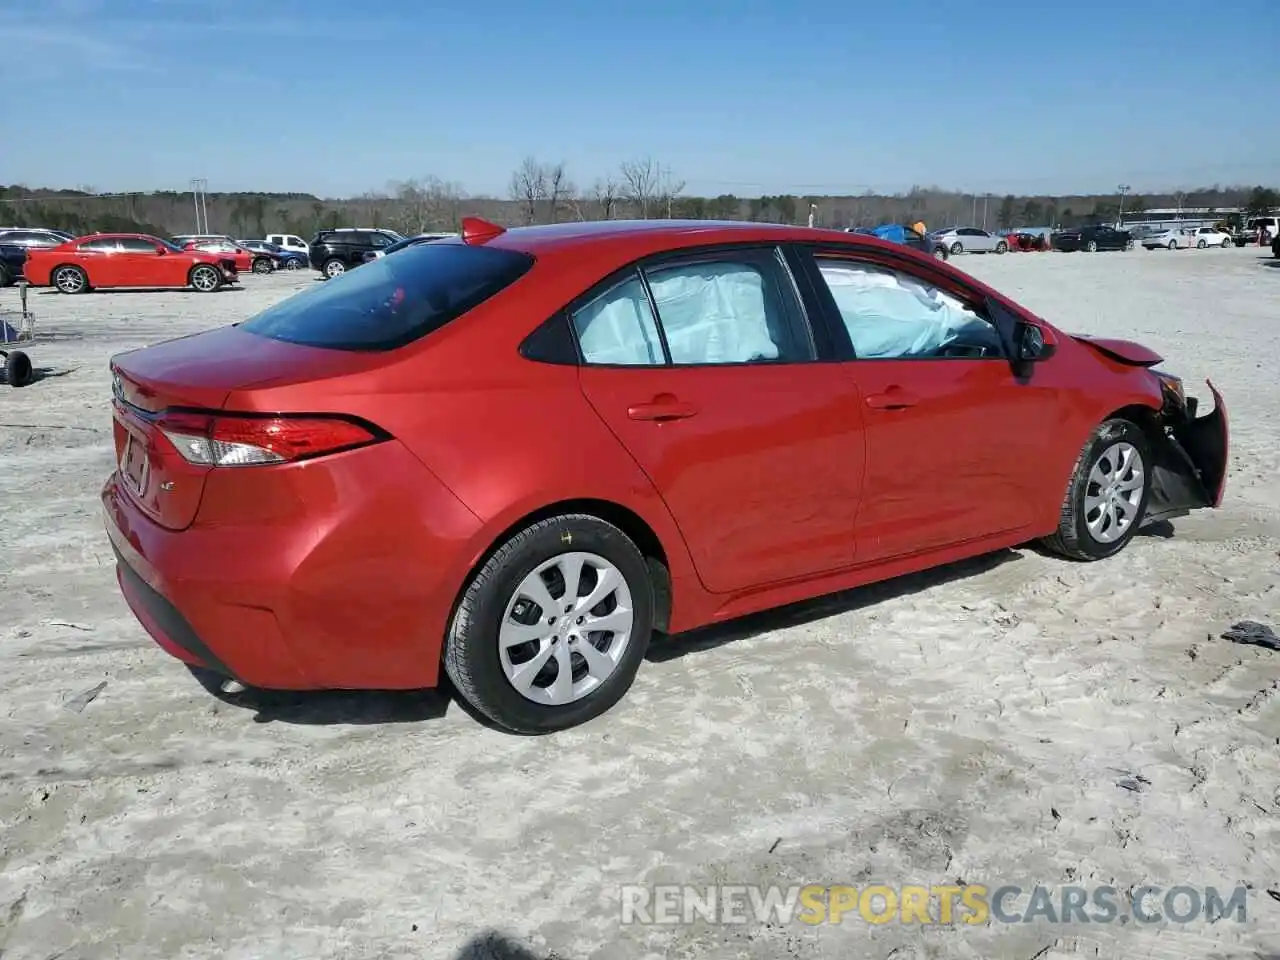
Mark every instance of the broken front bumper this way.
pixel 1190 454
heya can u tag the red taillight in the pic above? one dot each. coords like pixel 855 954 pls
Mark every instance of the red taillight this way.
pixel 232 440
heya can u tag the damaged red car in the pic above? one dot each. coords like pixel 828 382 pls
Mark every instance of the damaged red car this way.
pixel 512 457
pixel 104 260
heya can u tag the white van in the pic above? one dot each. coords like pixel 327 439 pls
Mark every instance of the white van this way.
pixel 289 241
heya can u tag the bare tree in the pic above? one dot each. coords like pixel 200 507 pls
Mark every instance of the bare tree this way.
pixel 559 190
pixel 529 187
pixel 641 183
pixel 423 206
pixel 668 189
pixel 604 197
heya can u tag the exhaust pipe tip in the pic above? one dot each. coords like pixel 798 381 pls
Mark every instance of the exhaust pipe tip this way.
pixel 232 686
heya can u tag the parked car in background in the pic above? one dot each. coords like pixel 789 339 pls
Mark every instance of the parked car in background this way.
pixel 12 262
pixel 899 233
pixel 1256 225
pixel 1092 238
pixel 1211 237
pixel 289 241
pixel 1026 241
pixel 691 373
pixel 34 237
pixel 246 260
pixel 285 259
pixel 406 242
pixel 1172 239
pixel 126 260
pixel 959 240
pixel 334 252
pixel 1275 246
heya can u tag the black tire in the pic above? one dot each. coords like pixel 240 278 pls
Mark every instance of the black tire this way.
pixel 1002 247
pixel 957 247
pixel 292 264
pixel 5 277
pixel 333 267
pixel 17 369
pixel 1173 244
pixel 1091 246
pixel 1073 539
pixel 940 253
pixel 69 270
pixel 471 657
pixel 1200 245
pixel 204 270
pixel 262 265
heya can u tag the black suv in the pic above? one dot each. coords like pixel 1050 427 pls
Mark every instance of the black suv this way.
pixel 334 252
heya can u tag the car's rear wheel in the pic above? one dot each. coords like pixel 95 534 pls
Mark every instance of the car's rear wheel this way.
pixel 1107 496
pixel 334 268
pixel 551 631
pixel 1201 245
pixel 262 265
pixel 69 279
pixel 204 278
pixel 1092 246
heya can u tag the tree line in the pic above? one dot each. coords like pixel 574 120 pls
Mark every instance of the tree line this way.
pixel 542 192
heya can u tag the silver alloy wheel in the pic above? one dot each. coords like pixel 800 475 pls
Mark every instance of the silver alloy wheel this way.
pixel 204 279
pixel 292 265
pixel 334 268
pixel 565 628
pixel 1114 492
pixel 69 279
pixel 1092 246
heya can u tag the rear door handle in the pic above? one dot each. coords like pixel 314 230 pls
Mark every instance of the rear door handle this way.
pixel 895 398
pixel 662 410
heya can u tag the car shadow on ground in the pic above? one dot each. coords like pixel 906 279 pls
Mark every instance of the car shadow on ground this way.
pixel 493 945
pixel 59 293
pixel 665 647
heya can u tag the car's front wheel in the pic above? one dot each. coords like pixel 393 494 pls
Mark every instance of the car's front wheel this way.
pixel 262 265
pixel 205 279
pixel 1107 495
pixel 957 248
pixel 1002 247
pixel 1200 245
pixel 1092 246
pixel 551 631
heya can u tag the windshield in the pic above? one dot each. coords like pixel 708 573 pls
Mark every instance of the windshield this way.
pixel 392 301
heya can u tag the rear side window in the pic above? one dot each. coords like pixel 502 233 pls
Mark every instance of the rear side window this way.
pixel 392 301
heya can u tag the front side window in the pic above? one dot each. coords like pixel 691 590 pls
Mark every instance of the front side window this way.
pixel 891 315
pixel 137 245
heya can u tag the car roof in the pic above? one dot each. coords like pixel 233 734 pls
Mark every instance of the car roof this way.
pixel 646 236
pixel 116 236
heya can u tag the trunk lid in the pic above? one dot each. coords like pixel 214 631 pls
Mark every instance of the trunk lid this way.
pixel 199 372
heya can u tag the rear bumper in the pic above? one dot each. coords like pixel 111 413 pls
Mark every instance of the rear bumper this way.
pixel 1190 469
pixel 343 578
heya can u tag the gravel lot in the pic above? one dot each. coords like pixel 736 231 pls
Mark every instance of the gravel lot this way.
pixel 975 723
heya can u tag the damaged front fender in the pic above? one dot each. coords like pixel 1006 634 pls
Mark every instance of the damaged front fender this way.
pixel 1190 454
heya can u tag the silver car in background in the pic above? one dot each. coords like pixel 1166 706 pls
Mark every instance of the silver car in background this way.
pixel 970 240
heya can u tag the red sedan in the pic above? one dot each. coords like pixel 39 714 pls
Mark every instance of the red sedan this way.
pixel 517 454
pixel 103 260
pixel 246 260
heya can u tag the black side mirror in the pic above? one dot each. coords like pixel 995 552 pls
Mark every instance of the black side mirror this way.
pixel 1031 344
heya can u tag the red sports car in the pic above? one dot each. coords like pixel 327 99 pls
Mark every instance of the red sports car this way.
pixel 125 260
pixel 515 455
pixel 246 260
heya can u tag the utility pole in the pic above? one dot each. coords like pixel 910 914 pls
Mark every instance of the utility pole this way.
pixel 1124 188
pixel 199 185
pixel 974 217
pixel 984 210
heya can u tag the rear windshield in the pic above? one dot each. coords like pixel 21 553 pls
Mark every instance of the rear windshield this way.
pixel 392 301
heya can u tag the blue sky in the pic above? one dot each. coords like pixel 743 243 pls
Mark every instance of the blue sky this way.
pixel 817 96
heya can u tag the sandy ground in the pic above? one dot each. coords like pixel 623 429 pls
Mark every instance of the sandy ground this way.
pixel 975 723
